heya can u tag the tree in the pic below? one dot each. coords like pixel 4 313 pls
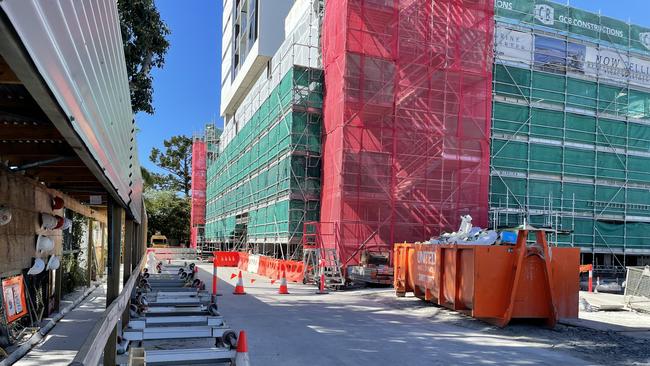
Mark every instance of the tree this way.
pixel 145 45
pixel 156 181
pixel 168 214
pixel 177 161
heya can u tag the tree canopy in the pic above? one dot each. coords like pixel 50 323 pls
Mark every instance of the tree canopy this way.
pixel 144 36
pixel 176 160
pixel 168 214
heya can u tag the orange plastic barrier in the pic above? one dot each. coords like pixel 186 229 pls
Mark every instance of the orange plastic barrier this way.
pixel 294 270
pixel 493 283
pixel 227 259
pixel 272 268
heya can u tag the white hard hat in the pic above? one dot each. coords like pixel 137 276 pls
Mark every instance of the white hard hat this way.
pixel 67 224
pixel 48 222
pixel 53 264
pixel 37 268
pixel 44 244
pixel 5 215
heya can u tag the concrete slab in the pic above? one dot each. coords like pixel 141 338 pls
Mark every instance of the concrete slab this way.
pixel 604 301
pixel 60 346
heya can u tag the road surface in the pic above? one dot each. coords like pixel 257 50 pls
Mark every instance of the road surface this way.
pixel 363 327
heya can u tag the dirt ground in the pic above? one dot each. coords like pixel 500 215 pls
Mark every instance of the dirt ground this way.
pixel 600 347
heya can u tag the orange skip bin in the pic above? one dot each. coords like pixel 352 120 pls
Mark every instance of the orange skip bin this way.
pixel 493 283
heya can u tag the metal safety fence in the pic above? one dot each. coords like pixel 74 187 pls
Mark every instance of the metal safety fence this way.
pixel 637 288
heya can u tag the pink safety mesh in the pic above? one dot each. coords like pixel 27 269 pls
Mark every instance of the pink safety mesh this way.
pixel 406 120
pixel 199 168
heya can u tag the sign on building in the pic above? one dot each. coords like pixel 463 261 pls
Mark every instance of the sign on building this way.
pixel 13 298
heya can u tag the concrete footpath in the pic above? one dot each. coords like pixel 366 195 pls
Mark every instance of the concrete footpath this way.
pixel 360 328
pixel 62 343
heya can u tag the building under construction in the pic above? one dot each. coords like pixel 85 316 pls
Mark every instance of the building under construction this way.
pixel 265 180
pixel 570 131
pixel 512 112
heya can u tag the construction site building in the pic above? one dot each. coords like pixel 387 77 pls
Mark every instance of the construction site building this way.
pixel 265 180
pixel 407 120
pixel 521 111
pixel 571 129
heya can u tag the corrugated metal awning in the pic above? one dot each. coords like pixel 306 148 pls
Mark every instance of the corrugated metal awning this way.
pixel 76 47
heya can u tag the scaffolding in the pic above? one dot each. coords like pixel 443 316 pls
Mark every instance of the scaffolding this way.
pixel 265 180
pixel 571 128
pixel 197 209
pixel 407 120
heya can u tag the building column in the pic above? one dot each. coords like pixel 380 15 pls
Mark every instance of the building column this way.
pixel 115 213
pixel 129 241
pixel 91 251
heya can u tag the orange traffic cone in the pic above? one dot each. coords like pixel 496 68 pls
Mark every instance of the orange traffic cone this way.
pixel 239 289
pixel 283 284
pixel 241 357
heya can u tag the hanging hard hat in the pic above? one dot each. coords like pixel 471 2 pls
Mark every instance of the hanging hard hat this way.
pixel 53 264
pixel 67 224
pixel 44 244
pixel 57 203
pixel 60 221
pixel 5 215
pixel 48 222
pixel 37 268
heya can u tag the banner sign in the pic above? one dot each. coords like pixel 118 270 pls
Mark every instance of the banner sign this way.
pixel 615 65
pixel 559 56
pixel 13 298
pixel 512 45
pixel 565 18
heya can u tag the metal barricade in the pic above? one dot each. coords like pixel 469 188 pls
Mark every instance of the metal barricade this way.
pixel 637 288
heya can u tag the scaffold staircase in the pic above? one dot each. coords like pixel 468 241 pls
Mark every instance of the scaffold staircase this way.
pixel 314 252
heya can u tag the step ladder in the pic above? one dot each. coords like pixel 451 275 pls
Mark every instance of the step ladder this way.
pixel 314 252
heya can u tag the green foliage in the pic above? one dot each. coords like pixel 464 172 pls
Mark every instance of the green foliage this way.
pixel 73 274
pixel 177 161
pixel 145 45
pixel 169 214
pixel 155 181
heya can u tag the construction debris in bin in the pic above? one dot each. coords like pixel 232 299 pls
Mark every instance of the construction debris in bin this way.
pixel 474 235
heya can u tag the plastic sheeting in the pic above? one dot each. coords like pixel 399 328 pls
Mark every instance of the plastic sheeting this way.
pixel 407 120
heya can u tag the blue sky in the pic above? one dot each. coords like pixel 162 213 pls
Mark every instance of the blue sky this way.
pixel 186 90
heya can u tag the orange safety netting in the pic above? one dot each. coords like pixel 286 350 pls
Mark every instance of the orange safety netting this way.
pixel 199 169
pixel 406 119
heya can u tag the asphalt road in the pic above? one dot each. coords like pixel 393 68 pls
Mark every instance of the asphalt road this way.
pixel 362 327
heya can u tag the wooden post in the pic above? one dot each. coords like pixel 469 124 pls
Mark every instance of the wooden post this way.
pixel 135 249
pixel 101 262
pixel 113 275
pixel 91 251
pixel 129 236
pixel 58 287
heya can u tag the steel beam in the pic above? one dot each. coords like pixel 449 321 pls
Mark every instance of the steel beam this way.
pixel 152 333
pixel 189 356
pixel 142 323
